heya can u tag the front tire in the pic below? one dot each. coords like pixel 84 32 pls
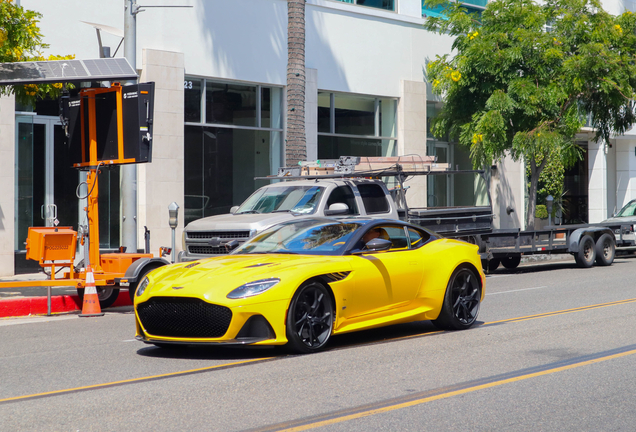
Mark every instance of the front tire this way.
pixel 587 252
pixel 605 250
pixel 461 301
pixel 310 318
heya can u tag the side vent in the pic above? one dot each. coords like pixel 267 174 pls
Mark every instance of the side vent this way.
pixel 335 277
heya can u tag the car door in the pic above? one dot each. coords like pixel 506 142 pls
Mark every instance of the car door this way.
pixel 384 281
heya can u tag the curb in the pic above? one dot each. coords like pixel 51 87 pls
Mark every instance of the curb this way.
pixel 27 306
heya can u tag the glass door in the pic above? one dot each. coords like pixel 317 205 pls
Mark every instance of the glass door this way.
pixel 45 182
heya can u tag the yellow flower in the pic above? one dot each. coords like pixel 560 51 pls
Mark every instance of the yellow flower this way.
pixel 3 36
pixel 472 36
pixel 456 76
pixel 618 28
pixel 435 83
pixel 477 138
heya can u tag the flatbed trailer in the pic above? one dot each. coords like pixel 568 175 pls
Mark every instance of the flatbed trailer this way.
pixel 588 243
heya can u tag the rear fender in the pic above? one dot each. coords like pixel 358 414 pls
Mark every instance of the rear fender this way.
pixel 593 231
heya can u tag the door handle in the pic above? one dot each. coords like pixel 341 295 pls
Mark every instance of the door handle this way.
pixel 42 212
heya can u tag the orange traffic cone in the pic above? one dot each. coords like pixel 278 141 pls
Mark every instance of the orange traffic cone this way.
pixel 90 305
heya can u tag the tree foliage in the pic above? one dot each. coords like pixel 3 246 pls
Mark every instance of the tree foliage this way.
pixel 525 75
pixel 21 40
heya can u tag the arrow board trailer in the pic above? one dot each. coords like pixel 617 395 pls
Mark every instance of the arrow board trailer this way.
pixel 107 124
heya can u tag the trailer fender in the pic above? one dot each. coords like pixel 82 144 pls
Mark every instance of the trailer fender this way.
pixel 139 267
pixel 593 231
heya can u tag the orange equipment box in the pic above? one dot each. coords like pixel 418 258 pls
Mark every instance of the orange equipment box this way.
pixel 51 244
pixel 119 262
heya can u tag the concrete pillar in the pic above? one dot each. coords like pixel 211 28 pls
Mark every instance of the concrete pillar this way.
pixel 597 189
pixel 411 133
pixel 162 181
pixel 7 180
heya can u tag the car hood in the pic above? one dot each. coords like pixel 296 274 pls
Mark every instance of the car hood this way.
pixel 214 278
pixel 226 222
pixel 629 220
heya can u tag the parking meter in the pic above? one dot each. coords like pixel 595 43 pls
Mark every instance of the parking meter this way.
pixel 173 221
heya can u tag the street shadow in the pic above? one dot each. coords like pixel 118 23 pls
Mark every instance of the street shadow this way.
pixel 389 334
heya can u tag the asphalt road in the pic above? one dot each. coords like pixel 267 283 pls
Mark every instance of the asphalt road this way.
pixel 555 349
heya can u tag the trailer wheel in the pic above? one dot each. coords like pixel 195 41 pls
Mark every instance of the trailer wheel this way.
pixel 106 296
pixel 605 250
pixel 587 253
pixel 490 265
pixel 511 262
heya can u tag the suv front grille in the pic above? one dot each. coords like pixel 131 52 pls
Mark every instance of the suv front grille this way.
pixel 207 250
pixel 184 317
pixel 202 235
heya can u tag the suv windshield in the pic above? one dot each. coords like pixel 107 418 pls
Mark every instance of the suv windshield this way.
pixel 306 236
pixel 296 199
pixel 628 210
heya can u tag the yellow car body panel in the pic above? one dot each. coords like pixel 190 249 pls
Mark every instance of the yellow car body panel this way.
pixel 369 290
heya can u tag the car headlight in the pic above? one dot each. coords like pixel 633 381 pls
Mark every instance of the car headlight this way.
pixel 253 288
pixel 142 286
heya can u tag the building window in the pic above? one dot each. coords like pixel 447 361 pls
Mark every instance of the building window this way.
pixel 233 133
pixel 355 125
pixel 471 6
pixel 380 4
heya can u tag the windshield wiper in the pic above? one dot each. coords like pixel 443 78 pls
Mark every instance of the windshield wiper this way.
pixel 249 212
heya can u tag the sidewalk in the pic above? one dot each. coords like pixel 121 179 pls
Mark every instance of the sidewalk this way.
pixel 27 301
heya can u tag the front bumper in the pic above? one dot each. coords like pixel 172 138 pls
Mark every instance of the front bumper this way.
pixel 254 324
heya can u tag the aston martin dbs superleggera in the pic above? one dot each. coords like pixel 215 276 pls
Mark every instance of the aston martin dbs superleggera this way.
pixel 300 282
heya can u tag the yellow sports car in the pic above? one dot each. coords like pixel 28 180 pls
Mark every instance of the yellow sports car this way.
pixel 300 282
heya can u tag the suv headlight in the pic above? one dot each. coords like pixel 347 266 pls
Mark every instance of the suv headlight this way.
pixel 253 288
pixel 142 286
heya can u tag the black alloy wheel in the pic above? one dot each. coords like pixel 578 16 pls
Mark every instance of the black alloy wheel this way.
pixel 461 301
pixel 310 318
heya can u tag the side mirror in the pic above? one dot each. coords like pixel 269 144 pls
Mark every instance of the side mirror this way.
pixel 233 209
pixel 377 245
pixel 337 209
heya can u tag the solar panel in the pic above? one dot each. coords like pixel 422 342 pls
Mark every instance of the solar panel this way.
pixel 105 69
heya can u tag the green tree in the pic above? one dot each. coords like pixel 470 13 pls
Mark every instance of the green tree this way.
pixel 526 74
pixel 21 40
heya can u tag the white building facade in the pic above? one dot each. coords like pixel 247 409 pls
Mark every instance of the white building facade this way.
pixel 220 73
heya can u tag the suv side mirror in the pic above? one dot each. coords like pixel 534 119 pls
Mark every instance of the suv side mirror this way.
pixel 233 209
pixel 337 209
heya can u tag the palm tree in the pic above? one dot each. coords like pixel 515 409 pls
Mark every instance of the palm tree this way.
pixel 296 142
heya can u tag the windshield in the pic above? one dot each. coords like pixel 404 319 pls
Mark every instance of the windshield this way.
pixel 628 210
pixel 311 237
pixel 296 199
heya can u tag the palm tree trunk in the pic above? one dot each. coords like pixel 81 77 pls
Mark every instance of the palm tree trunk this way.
pixel 296 142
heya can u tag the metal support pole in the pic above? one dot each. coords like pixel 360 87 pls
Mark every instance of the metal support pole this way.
pixel 128 177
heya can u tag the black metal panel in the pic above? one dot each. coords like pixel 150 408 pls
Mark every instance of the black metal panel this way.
pixel 138 109
pixel 218 234
pixel 184 317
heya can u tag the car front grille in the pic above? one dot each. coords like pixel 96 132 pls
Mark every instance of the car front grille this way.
pixel 202 235
pixel 184 317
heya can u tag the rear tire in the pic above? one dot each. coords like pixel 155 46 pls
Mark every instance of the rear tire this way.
pixel 587 253
pixel 461 301
pixel 605 250
pixel 106 296
pixel 511 262
pixel 490 265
